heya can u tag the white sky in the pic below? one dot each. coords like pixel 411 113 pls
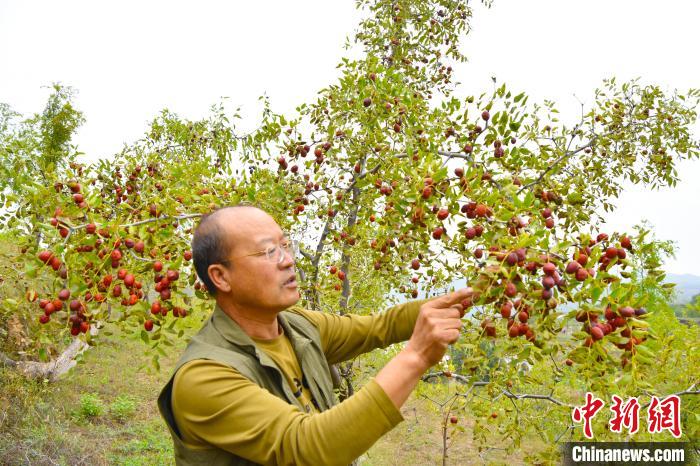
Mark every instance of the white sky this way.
pixel 130 59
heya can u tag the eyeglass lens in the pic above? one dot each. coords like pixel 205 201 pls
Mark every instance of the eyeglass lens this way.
pixel 280 251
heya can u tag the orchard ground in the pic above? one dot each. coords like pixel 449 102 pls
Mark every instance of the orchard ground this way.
pixel 52 423
pixel 49 424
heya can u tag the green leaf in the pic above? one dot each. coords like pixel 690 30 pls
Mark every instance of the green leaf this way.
pixel 30 270
pixel 574 198
pixel 642 349
pixel 595 293
pixel 626 380
pixel 645 359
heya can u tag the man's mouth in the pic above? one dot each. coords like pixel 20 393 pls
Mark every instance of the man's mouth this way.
pixel 291 282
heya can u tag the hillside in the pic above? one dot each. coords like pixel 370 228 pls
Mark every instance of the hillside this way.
pixel 687 286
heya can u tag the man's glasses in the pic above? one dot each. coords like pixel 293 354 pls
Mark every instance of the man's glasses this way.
pixel 275 253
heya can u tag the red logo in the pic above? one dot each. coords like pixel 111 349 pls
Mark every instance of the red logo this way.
pixel 665 414
pixel 661 415
pixel 624 415
pixel 587 412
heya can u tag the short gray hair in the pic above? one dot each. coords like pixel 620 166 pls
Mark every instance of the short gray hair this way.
pixel 210 245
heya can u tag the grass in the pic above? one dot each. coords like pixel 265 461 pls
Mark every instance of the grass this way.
pixel 418 440
pixel 103 412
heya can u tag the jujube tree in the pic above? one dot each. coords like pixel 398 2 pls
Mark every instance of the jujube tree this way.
pixel 392 183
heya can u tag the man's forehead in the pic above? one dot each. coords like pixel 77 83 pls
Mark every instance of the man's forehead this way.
pixel 250 225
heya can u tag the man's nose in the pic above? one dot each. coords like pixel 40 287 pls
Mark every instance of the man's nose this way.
pixel 287 259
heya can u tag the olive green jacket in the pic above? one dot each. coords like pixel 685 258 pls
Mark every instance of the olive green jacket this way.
pixel 221 339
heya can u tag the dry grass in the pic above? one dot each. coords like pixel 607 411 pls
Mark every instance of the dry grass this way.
pixel 44 424
pixel 419 439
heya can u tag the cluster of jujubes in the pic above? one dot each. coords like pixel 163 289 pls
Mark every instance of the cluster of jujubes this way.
pixel 523 283
pixel 122 286
pixel 76 310
pixel 48 258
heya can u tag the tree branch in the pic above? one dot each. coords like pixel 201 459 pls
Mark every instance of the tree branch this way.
pixel 692 390
pixel 7 361
pixel 51 370
pixel 520 396
pixel 455 155
pixel 345 260
pixel 142 222
pixel 565 155
pixel 139 258
pixel 306 254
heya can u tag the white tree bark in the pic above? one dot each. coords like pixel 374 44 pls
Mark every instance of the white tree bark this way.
pixel 51 370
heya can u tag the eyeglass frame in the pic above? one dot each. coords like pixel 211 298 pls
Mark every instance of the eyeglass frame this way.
pixel 292 245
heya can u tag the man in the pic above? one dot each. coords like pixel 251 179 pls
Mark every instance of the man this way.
pixel 254 385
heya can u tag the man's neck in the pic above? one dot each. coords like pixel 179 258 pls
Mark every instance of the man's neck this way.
pixel 254 323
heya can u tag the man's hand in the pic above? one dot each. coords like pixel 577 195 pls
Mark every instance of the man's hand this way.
pixel 438 325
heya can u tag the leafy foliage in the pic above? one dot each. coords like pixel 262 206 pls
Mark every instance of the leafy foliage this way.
pixel 123 407
pixel 391 179
pixel 91 405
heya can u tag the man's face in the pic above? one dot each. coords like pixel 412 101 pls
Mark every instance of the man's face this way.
pixel 255 281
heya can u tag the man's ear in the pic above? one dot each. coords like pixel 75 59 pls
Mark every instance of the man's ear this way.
pixel 220 277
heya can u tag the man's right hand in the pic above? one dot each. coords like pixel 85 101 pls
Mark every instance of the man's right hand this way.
pixel 438 325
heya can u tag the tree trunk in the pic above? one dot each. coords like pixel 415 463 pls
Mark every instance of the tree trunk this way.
pixel 51 370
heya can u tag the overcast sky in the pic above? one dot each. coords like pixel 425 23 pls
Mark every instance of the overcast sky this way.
pixel 128 60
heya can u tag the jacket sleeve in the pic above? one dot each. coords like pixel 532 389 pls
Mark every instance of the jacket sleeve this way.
pixel 345 337
pixel 215 405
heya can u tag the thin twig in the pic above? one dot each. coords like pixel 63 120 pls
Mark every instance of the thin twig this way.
pixel 149 220
pixel 689 391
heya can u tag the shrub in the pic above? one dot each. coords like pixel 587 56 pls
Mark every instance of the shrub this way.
pixel 122 408
pixel 91 405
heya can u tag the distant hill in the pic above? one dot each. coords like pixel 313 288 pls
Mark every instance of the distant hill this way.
pixel 687 286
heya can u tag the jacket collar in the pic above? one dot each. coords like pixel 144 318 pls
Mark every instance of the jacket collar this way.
pixel 234 334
